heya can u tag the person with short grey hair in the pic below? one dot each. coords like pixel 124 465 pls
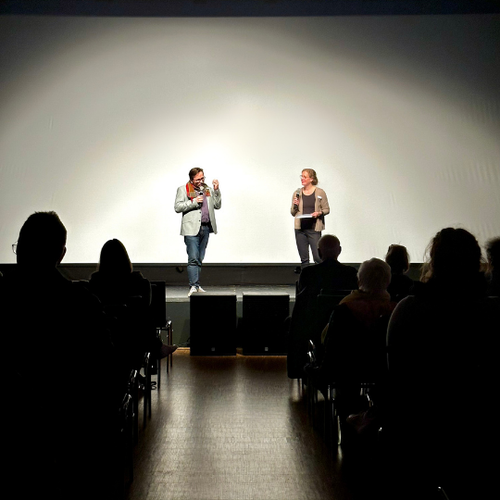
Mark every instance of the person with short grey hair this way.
pixel 374 276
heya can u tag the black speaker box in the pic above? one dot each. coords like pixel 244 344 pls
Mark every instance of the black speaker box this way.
pixel 212 324
pixel 263 325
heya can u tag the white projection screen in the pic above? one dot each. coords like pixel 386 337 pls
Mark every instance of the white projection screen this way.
pixel 101 119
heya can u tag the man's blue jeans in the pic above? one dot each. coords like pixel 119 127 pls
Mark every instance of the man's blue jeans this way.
pixel 195 247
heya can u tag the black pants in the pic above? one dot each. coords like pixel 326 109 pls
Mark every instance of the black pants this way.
pixel 306 238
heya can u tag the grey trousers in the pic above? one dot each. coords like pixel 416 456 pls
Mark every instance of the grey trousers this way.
pixel 306 238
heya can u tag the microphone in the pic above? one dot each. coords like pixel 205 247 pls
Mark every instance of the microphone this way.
pixel 200 192
pixel 297 193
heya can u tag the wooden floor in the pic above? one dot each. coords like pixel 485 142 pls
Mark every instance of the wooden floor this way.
pixel 236 428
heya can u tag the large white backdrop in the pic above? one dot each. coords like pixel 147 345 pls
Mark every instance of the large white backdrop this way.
pixel 102 118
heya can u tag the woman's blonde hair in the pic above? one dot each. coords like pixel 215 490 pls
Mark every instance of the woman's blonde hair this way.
pixel 312 175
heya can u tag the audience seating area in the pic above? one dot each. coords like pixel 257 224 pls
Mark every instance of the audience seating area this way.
pixel 136 393
pixel 140 386
pixel 390 389
pixel 378 372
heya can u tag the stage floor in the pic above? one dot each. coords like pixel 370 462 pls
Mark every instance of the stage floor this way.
pixel 179 293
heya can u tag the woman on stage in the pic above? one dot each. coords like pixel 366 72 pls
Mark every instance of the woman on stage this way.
pixel 309 207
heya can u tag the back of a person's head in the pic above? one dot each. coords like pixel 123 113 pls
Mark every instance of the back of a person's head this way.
pixel 455 256
pixel 329 247
pixel 42 240
pixel 114 259
pixel 374 275
pixel 397 257
pixel 493 254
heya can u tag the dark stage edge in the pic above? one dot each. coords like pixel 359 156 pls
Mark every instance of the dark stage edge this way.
pixel 212 274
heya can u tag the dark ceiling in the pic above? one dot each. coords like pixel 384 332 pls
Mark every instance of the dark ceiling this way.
pixel 201 8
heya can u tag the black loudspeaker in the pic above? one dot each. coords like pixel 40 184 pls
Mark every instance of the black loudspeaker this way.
pixel 263 326
pixel 212 325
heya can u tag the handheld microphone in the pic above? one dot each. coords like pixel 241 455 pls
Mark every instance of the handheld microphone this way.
pixel 200 192
pixel 297 193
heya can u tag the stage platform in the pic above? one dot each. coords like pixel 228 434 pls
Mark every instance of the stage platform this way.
pixel 179 293
pixel 178 304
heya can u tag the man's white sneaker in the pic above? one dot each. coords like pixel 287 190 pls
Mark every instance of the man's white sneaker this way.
pixel 200 289
pixel 192 290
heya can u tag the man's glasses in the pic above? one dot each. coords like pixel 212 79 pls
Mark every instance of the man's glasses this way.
pixel 200 179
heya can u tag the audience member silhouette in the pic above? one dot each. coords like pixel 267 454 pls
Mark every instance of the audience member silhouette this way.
pixel 493 273
pixel 354 340
pixel 126 296
pixel 310 315
pixel 59 361
pixel 401 284
pixel 442 370
pixel 329 275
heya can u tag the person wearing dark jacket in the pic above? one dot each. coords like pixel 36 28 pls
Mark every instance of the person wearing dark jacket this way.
pixel 126 296
pixel 442 353
pixel 329 275
pixel 401 284
pixel 59 358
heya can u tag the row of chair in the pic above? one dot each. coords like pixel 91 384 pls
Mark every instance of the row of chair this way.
pixel 318 315
pixel 137 387
pixel 327 414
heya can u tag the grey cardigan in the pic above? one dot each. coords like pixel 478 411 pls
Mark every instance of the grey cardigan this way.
pixel 321 205
pixel 191 211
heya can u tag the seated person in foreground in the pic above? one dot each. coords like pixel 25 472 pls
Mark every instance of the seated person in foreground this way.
pixel 354 339
pixel 401 284
pixel 443 371
pixel 308 316
pixel 59 359
pixel 329 275
pixel 126 295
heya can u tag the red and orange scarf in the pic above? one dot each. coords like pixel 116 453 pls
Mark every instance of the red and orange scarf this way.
pixel 191 192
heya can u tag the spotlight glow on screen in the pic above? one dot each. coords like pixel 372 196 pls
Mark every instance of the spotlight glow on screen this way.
pixel 102 118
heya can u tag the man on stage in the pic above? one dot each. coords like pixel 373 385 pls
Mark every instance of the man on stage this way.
pixel 197 202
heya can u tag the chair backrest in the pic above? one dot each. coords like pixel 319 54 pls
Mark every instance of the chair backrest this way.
pixel 326 302
pixel 311 353
pixel 158 306
pixel 354 351
pixel 323 308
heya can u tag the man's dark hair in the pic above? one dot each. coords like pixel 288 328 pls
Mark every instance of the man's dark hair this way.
pixel 397 257
pixel 194 171
pixel 42 239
